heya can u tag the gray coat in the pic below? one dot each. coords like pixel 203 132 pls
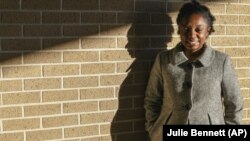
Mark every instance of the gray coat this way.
pixel 182 92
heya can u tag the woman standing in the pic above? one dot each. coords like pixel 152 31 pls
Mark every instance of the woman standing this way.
pixel 192 83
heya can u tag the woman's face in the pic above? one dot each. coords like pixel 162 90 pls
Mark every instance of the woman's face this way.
pixel 194 32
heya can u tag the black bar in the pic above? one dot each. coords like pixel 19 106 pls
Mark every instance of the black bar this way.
pixel 223 132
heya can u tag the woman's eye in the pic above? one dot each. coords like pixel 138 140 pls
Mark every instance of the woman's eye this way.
pixel 186 29
pixel 198 30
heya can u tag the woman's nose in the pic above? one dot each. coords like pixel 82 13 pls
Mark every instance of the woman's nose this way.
pixel 192 33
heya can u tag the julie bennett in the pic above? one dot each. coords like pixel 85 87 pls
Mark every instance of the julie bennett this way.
pixel 195 132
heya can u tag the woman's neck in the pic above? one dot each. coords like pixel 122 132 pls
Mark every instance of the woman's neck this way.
pixel 193 55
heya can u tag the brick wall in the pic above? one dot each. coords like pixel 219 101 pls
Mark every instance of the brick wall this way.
pixel 77 69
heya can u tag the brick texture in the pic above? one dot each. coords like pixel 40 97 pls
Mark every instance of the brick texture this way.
pixel 77 70
pixel 80 5
pixel 9 4
pixel 44 83
pixel 20 17
pixel 10 85
pixel 62 17
pixel 41 4
pixel 60 121
pixel 60 70
pixel 10 58
pixel 52 134
pixel 83 131
pixel 21 124
pixel 21 98
pixel 80 107
pixel 12 136
pixel 21 44
pixel 60 95
pixel 21 71
pixel 10 112
pixel 42 110
pixel 97 118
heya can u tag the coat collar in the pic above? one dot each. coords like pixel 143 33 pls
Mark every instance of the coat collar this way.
pixel 205 59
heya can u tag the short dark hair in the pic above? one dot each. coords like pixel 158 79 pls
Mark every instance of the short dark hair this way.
pixel 192 8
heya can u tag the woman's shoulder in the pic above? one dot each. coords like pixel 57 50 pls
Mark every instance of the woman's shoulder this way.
pixel 166 52
pixel 220 54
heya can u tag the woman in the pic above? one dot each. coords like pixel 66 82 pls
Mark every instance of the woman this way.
pixel 192 83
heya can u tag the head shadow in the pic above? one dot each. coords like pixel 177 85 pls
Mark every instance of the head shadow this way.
pixel 145 39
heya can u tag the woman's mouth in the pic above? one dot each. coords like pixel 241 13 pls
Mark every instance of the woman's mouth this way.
pixel 193 42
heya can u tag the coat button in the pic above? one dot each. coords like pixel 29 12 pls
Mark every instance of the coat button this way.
pixel 188 106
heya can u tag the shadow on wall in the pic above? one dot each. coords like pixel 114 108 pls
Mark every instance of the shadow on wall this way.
pixel 145 39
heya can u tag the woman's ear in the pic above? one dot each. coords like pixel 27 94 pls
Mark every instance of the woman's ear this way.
pixel 209 30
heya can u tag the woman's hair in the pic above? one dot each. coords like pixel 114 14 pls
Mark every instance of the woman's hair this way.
pixel 195 7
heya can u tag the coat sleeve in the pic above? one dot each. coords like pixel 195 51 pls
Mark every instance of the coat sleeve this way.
pixel 233 101
pixel 153 94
